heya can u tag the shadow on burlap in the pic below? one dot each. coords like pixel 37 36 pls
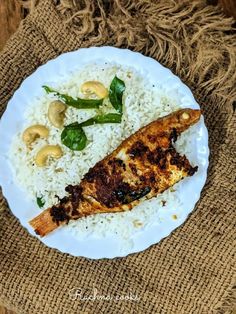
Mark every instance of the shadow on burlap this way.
pixel 191 271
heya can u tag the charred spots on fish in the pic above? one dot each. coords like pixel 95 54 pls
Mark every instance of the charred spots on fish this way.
pixel 192 170
pixel 152 179
pixel 63 200
pixel 136 195
pixel 117 161
pixel 154 156
pixel 138 149
pixel 162 163
pixel 178 160
pixel 106 197
pixel 90 175
pixel 121 191
pixel 148 178
pixel 102 175
pixel 175 160
pixel 112 195
pixel 133 168
pixel 98 173
pixel 116 165
pixel 105 187
pixel 158 157
pixel 182 163
pixel 174 135
pixel 74 190
pixel 125 194
pixel 75 195
pixel 152 138
pixel 74 212
pixel 59 214
pixel 142 178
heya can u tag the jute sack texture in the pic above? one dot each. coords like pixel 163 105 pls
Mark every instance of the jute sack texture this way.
pixel 191 271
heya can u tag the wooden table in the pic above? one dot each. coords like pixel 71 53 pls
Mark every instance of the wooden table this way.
pixel 11 13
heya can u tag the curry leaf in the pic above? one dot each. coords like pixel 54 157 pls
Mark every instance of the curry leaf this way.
pixel 103 118
pixel 78 103
pixel 40 201
pixel 116 91
pixel 73 137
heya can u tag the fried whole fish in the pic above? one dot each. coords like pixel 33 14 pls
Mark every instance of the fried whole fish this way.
pixel 144 165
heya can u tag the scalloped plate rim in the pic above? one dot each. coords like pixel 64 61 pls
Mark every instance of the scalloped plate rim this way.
pixel 123 52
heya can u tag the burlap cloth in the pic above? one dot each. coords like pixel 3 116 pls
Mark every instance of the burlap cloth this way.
pixel 191 271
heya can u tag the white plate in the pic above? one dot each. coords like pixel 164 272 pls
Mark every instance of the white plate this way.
pixel 12 121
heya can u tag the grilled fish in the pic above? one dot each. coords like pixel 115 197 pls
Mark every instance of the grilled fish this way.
pixel 144 165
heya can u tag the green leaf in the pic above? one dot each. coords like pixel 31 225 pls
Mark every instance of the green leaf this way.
pixel 73 136
pixel 40 201
pixel 103 118
pixel 78 103
pixel 74 125
pixel 116 91
pixel 48 89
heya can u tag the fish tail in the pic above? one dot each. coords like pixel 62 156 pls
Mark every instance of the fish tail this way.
pixel 43 223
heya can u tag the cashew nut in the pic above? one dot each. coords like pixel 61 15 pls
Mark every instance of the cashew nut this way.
pixel 47 151
pixel 33 132
pixel 56 113
pixel 94 87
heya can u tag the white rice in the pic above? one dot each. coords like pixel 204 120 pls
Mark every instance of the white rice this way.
pixel 143 103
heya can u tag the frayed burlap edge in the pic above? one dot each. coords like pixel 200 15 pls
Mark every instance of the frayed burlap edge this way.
pixel 29 5
pixel 156 38
pixel 228 306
